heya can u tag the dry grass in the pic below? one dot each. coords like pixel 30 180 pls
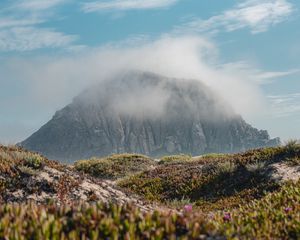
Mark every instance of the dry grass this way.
pixel 276 216
pixel 115 166
pixel 212 182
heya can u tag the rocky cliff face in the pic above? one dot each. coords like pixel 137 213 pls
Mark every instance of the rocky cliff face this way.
pixel 145 113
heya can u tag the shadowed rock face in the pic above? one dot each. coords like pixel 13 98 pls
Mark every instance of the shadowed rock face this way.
pixel 145 113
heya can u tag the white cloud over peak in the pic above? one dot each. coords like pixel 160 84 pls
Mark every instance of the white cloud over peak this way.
pixel 256 15
pixel 189 57
pixel 96 6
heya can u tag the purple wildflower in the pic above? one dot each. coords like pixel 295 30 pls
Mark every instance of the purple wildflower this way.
pixel 188 208
pixel 227 217
pixel 288 209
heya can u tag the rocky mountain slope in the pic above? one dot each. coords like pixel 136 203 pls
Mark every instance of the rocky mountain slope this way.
pixel 148 114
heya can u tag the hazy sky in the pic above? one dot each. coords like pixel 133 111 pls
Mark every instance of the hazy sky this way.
pixel 248 51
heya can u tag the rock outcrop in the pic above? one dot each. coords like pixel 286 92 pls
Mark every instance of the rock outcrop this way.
pixel 149 114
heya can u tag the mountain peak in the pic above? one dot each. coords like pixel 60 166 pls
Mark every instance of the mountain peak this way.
pixel 145 113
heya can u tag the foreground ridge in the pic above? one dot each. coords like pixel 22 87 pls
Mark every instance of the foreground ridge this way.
pixel 97 198
pixel 274 217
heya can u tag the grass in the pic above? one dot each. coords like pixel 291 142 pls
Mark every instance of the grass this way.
pixel 219 182
pixel 216 197
pixel 115 166
pixel 214 155
pixel 17 166
pixel 13 157
pixel 276 216
pixel 293 146
pixel 175 158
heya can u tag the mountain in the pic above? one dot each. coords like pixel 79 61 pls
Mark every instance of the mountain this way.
pixel 149 114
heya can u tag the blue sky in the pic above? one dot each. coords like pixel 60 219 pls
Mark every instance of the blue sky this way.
pixel 247 50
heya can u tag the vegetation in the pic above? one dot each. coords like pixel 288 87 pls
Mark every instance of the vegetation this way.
pixel 212 183
pixel 293 146
pixel 214 155
pixel 175 158
pixel 276 216
pixel 12 158
pixel 215 196
pixel 115 166
pixel 17 166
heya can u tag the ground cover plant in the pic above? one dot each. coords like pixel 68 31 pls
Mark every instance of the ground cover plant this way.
pixel 115 166
pixel 175 158
pixel 211 197
pixel 12 157
pixel 276 216
pixel 17 164
pixel 26 175
pixel 214 182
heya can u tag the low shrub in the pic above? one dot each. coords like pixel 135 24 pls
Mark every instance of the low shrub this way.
pixel 293 161
pixel 34 161
pixel 175 158
pixel 292 146
pixel 256 166
pixel 17 166
pixel 115 166
pixel 210 182
pixel 214 155
pixel 276 216
pixel 29 171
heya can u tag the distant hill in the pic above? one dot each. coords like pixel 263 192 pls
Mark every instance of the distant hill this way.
pixel 145 113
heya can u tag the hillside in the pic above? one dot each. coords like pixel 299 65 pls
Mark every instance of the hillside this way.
pixel 26 176
pixel 255 194
pixel 148 114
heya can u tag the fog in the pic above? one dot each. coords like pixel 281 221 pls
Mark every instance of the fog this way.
pixel 47 83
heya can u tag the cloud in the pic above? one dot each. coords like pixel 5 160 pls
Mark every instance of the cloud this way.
pixel 285 105
pixel 40 85
pixel 20 28
pixel 97 6
pixel 268 77
pixel 51 83
pixel 37 5
pixel 256 15
pixel 255 74
pixel 8 22
pixel 31 38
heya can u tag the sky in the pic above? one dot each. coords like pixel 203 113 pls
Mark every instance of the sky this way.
pixel 246 50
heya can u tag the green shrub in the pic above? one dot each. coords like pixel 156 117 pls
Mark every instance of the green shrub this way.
pixel 211 180
pixel 175 158
pixel 214 155
pixel 115 166
pixel 276 216
pixel 293 161
pixel 256 166
pixel 28 170
pixel 226 167
pixel 17 164
pixel 34 161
